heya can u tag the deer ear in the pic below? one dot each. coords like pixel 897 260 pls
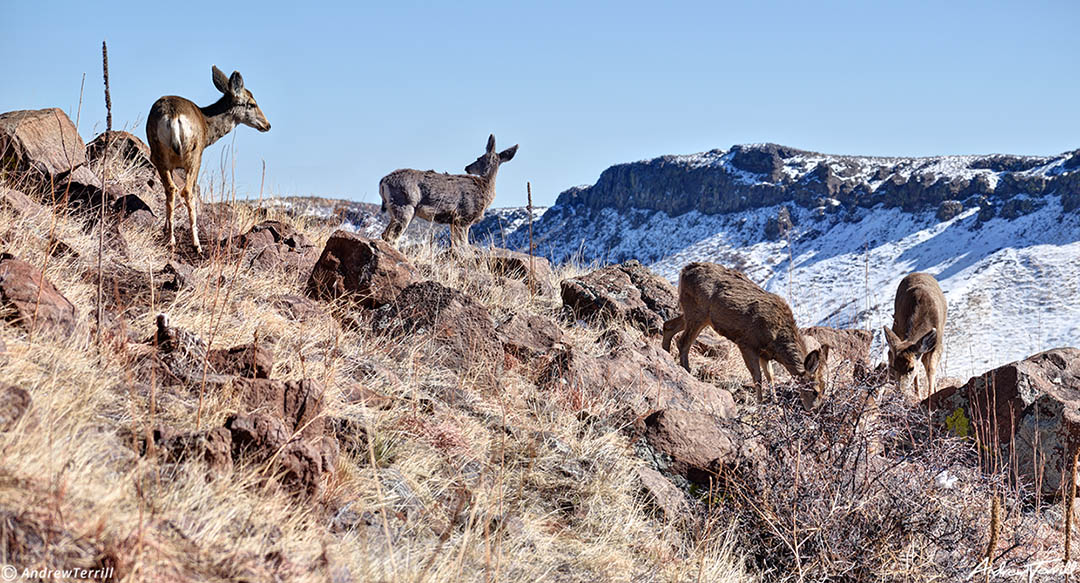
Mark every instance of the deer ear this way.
pixel 813 361
pixel 891 338
pixel 220 80
pixel 928 342
pixel 491 144
pixel 508 154
pixel 236 83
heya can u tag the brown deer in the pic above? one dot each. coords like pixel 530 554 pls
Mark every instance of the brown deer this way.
pixel 758 322
pixel 178 131
pixel 918 322
pixel 458 200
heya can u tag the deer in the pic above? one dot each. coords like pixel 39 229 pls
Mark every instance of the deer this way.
pixel 918 322
pixel 178 131
pixel 458 200
pixel 760 323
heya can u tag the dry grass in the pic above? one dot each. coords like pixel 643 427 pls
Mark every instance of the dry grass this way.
pixel 464 476
pixel 438 489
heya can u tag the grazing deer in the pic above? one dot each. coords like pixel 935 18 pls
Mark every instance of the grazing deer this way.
pixel 918 321
pixel 458 200
pixel 758 322
pixel 178 131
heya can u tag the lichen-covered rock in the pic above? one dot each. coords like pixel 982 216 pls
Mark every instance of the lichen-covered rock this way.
pixel 1028 411
pixel 697 446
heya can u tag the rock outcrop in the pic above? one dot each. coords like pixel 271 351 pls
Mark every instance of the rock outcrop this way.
pixel 31 301
pixel 1026 412
pixel 43 143
pixel 750 176
pixel 628 291
pixel 369 271
pixel 456 329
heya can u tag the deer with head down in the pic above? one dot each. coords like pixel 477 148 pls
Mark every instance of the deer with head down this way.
pixel 458 200
pixel 178 131
pixel 758 322
pixel 918 322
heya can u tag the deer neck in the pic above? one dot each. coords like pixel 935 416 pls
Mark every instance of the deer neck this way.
pixel 487 187
pixel 219 120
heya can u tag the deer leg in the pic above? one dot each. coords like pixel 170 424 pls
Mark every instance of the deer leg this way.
pixel 753 362
pixel 930 363
pixel 170 201
pixel 400 217
pixel 766 368
pixel 672 327
pixel 192 202
pixel 690 333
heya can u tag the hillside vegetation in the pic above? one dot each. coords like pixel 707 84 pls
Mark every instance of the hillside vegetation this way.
pixel 450 418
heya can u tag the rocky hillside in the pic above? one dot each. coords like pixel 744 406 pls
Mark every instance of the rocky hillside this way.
pixel 305 403
pixel 835 234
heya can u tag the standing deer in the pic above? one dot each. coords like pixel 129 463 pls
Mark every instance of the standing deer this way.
pixel 758 322
pixel 178 131
pixel 458 200
pixel 918 320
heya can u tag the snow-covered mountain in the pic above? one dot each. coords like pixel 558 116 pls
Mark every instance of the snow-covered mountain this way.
pixel 835 234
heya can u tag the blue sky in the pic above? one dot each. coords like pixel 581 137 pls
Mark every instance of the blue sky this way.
pixel 355 90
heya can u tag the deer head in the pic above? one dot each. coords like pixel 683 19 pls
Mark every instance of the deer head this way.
pixel 240 102
pixel 903 356
pixel 488 163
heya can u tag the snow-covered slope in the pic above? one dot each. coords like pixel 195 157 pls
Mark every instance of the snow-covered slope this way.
pixel 1001 233
pixel 834 235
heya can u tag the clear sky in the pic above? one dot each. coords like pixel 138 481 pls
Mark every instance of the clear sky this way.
pixel 355 90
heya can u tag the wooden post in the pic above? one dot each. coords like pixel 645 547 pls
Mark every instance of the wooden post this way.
pixel 532 270
pixel 104 167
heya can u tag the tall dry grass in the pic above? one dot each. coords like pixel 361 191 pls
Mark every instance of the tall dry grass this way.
pixel 460 478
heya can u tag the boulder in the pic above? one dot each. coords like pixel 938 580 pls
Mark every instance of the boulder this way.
pixel 298 404
pixel 121 146
pixel 82 189
pixel 949 209
pixel 213 447
pixel 369 271
pixel 31 301
pixel 528 336
pixel 663 495
pixel 18 202
pixel 516 265
pixel 458 329
pixel 14 401
pixel 1028 412
pixel 42 142
pixel 274 245
pixel 248 360
pixel 131 208
pixel 638 375
pixel 697 446
pixel 628 291
pixel 259 438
